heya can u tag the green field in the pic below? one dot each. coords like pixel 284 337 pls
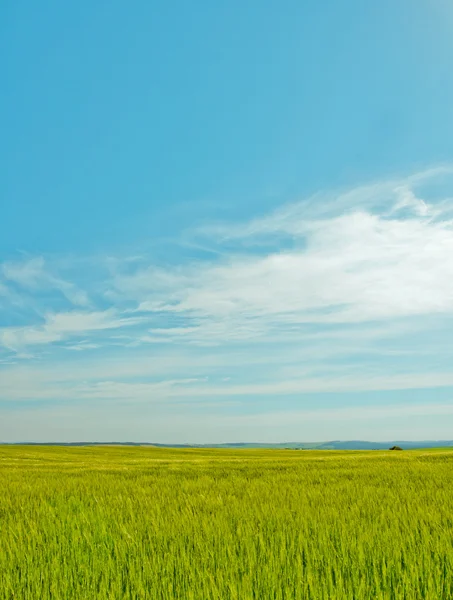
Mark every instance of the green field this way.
pixel 102 522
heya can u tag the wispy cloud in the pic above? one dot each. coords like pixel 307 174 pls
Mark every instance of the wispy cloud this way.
pixel 342 292
pixel 372 254
pixel 384 198
pixel 59 326
pixel 31 274
pixel 148 386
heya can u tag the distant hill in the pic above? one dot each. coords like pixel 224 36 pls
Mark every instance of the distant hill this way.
pixel 363 445
pixel 333 445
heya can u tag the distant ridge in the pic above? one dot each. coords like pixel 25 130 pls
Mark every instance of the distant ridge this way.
pixel 333 445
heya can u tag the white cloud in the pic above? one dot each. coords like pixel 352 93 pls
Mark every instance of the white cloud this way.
pixel 28 273
pixel 83 345
pixel 280 311
pixel 382 198
pixel 355 267
pixel 79 386
pixel 32 274
pixel 60 326
pixel 375 253
pixel 408 200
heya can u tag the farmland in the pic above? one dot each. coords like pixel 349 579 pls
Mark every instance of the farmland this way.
pixel 136 523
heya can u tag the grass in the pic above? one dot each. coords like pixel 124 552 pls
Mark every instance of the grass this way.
pixel 133 523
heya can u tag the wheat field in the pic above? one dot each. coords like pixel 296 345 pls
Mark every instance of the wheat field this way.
pixel 135 523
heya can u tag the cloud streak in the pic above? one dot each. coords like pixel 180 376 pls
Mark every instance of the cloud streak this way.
pixel 32 275
pixel 60 326
pixel 337 294
pixel 387 254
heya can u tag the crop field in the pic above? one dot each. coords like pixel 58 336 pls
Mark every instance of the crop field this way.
pixel 135 523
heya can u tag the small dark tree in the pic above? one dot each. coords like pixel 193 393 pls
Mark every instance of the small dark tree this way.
pixel 395 448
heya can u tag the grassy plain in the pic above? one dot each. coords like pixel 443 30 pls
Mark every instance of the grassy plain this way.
pixel 135 523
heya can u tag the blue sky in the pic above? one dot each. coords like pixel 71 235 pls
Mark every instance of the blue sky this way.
pixel 226 221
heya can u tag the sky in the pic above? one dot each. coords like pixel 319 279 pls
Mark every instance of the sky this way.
pixel 226 221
